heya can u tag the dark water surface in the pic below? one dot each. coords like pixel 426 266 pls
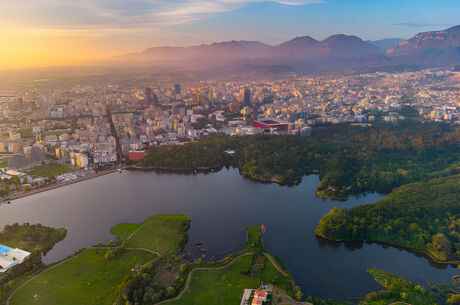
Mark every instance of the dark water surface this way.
pixel 220 205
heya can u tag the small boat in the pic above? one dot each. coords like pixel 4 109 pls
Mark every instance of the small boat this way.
pixel 119 170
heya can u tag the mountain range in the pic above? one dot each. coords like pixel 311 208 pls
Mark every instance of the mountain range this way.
pixel 335 52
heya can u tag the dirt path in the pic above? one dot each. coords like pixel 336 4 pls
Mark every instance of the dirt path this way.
pixel 200 268
pixel 43 272
pixel 71 258
pixel 270 258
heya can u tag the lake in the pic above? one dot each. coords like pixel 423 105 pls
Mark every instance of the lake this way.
pixel 220 205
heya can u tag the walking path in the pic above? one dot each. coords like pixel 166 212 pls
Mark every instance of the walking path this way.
pixel 77 255
pixel 201 268
pixel 43 272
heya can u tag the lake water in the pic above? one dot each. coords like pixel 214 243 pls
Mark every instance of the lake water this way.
pixel 220 205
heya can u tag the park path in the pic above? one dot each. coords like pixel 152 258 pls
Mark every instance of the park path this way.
pixel 43 272
pixel 75 256
pixel 270 258
pixel 201 268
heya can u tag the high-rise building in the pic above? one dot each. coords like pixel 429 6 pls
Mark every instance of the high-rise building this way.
pixel 149 96
pixel 245 96
pixel 177 91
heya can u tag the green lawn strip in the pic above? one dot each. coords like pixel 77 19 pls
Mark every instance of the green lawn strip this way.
pixel 253 236
pixel 158 233
pixel 58 133
pixel 124 230
pixel 223 286
pixel 88 279
pixel 271 275
pixel 4 164
pixel 49 170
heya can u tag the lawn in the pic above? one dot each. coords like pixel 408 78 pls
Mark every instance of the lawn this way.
pixel 93 277
pixel 158 233
pixel 222 287
pixel 58 133
pixel 226 286
pixel 87 279
pixel 49 170
pixel 4 164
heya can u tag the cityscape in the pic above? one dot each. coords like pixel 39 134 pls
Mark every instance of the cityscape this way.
pixel 172 169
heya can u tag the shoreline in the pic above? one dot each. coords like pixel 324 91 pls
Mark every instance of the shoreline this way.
pixel 426 254
pixel 56 186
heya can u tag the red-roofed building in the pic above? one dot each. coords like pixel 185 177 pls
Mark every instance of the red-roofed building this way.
pixel 137 155
pixel 268 123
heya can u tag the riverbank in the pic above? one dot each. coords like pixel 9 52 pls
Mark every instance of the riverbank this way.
pixel 422 253
pixel 57 185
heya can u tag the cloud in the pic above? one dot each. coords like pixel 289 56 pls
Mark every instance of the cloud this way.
pixel 118 13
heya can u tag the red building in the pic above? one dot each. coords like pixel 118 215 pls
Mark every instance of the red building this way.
pixel 267 123
pixel 137 155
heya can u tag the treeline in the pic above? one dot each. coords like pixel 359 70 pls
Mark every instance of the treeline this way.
pixel 349 159
pixel 32 237
pixel 399 291
pixel 422 216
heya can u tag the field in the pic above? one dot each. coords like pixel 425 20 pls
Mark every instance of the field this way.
pixel 94 276
pixel 49 170
pixel 222 287
pixel 58 133
pixel 87 279
pixel 4 164
pixel 159 233
pixel 225 284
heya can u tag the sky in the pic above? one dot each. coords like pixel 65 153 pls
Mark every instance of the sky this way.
pixel 40 33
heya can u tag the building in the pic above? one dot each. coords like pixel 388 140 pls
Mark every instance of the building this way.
pixel 268 123
pixel 247 97
pixel 149 96
pixel 10 257
pixel 137 155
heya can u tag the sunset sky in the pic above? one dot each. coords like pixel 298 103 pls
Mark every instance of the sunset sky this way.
pixel 36 33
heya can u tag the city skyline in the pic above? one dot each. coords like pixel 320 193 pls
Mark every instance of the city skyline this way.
pixel 38 34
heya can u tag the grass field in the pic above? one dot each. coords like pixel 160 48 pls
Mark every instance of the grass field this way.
pixel 221 287
pixel 226 286
pixel 158 233
pixel 92 278
pixel 86 280
pixel 58 133
pixel 49 170
pixel 4 164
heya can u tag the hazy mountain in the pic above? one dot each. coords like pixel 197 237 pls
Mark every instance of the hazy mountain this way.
pixel 386 44
pixel 306 53
pixel 430 48
pixel 215 53
pixel 297 47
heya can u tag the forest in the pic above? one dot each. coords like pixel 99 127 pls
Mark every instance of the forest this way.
pixel 422 216
pixel 349 159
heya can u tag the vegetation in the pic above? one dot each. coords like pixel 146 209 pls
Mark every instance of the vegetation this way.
pixel 223 286
pixel 160 233
pixel 49 170
pixel 4 164
pixel 90 278
pixel 349 159
pixel 59 132
pixel 398 290
pixel 422 216
pixel 102 275
pixel 37 240
pixel 32 238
